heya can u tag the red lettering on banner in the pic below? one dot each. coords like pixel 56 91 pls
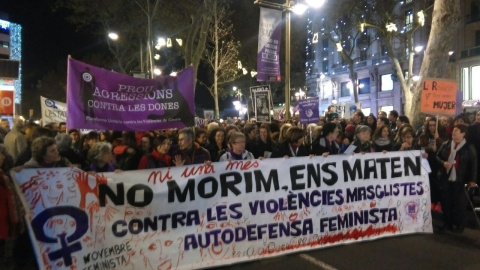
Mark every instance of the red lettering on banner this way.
pixel 159 174
pixel 241 165
pixel 202 169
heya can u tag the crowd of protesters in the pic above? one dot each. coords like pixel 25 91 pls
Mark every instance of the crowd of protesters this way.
pixel 450 144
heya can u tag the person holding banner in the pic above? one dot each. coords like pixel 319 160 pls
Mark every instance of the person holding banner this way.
pixel 217 144
pixel 293 145
pixel 458 158
pixel 327 144
pixel 237 142
pixel 362 140
pixel 188 153
pixel 100 159
pixel 45 154
pixel 159 157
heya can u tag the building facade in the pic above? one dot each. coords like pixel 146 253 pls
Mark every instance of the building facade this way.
pixel 328 76
pixel 10 66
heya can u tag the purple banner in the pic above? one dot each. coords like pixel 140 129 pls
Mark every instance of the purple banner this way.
pixel 309 112
pixel 269 36
pixel 105 100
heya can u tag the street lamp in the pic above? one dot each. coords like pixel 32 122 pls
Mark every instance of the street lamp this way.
pixel 287 7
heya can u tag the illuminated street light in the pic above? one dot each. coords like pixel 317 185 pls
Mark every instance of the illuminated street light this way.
pixel 418 49
pixel 287 7
pixel 113 36
pixel 157 71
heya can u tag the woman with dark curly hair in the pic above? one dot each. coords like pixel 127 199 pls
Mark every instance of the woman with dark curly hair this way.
pixel 217 144
pixel 45 154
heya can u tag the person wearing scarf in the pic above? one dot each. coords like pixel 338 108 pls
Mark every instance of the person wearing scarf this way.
pixel 293 145
pixel 382 139
pixel 458 159
pixel 237 150
pixel 327 143
pixel 362 140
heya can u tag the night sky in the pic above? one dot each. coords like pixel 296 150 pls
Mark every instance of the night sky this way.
pixel 48 39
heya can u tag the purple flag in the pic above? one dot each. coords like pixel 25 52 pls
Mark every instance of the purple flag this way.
pixel 269 36
pixel 101 99
pixel 309 112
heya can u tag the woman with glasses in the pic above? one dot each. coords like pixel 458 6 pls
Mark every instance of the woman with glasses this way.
pixel 159 157
pixel 237 141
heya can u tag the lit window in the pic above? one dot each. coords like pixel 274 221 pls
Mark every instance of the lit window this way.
pixel 387 82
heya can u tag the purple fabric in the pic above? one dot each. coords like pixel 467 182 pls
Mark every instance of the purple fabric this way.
pixel 309 112
pixel 105 100
pixel 269 39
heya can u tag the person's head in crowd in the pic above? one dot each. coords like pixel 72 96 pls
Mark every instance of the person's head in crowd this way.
pixel 447 121
pixel 62 127
pixel 392 116
pixel 274 126
pixel 358 117
pixel 90 139
pixel 237 142
pixel 18 123
pixel 217 137
pixel 402 120
pixel 146 143
pixel 295 135
pixel 461 119
pixel 251 131
pixel 45 150
pixel 39 131
pixel 283 132
pixel 52 126
pixel 253 120
pixel 230 128
pixel 471 117
pixel 382 132
pixel 407 136
pixel 29 128
pixel 129 139
pixel 371 121
pixel 382 121
pixel 264 133
pixel 330 131
pixel 363 133
pixel 104 136
pixel 185 139
pixel 75 135
pixel 64 141
pixel 459 132
pixel 431 125
pixel 382 114
pixel 5 124
pixel 100 153
pixel 162 144
pixel 201 136
pixel 350 131
pixel 211 126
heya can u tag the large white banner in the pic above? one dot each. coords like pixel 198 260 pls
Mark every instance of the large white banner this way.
pixel 209 215
pixel 53 111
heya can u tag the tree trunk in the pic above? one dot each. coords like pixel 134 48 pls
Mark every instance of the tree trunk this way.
pixel 445 22
pixel 197 36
